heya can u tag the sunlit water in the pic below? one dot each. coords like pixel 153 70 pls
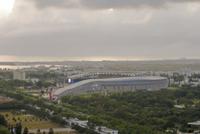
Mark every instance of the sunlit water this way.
pixel 14 67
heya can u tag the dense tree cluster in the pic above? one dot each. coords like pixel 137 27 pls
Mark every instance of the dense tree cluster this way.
pixel 3 124
pixel 140 112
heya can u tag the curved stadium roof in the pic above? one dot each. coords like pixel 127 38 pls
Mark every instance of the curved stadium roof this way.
pixel 114 80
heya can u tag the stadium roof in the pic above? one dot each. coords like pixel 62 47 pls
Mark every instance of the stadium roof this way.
pixel 78 84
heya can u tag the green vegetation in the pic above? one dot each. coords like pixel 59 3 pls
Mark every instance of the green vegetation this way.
pixel 140 112
pixel 3 124
pixel 4 130
pixel 44 75
pixel 6 74
pixel 3 120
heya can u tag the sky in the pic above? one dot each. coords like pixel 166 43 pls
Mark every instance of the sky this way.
pixel 99 29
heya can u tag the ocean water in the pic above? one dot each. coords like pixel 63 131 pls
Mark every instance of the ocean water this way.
pixel 13 67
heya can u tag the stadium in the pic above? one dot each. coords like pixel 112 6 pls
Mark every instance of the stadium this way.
pixel 113 85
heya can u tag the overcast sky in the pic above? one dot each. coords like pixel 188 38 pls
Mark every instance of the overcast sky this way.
pixel 100 29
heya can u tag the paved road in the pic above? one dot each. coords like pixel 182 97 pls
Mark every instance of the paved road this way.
pixel 56 130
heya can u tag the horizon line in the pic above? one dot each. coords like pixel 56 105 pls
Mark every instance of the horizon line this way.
pixel 102 60
pixel 13 58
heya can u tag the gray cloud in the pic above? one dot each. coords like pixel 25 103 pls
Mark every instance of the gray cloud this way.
pixel 55 3
pixel 146 33
pixel 104 4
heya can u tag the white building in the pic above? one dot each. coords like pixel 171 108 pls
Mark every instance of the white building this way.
pixel 196 123
pixel 34 80
pixel 105 130
pixel 179 106
pixel 19 75
pixel 75 121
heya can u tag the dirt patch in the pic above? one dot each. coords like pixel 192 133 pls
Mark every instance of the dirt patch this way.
pixel 5 100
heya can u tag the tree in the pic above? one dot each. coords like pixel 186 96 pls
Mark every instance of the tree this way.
pixel 38 131
pixel 3 121
pixel 25 130
pixel 51 131
pixel 4 130
pixel 18 128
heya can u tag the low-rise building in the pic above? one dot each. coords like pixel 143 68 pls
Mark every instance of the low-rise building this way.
pixel 75 121
pixel 105 130
pixel 19 75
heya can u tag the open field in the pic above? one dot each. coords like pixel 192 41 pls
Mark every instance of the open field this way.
pixel 27 120
pixel 33 123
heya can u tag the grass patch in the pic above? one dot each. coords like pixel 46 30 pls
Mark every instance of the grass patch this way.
pixel 27 120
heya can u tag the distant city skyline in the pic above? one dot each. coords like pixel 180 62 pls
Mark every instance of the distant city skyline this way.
pixel 38 30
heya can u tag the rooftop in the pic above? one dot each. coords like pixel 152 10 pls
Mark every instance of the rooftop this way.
pixel 196 123
pixel 144 78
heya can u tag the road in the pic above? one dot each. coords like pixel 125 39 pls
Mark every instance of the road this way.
pixel 56 130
